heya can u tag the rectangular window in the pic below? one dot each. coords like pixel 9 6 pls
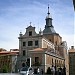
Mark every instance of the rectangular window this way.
pixel 36 59
pixel 30 33
pixel 30 43
pixel 24 43
pixel 36 43
pixel 24 52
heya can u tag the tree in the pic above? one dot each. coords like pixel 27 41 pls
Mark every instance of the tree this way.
pixel 5 69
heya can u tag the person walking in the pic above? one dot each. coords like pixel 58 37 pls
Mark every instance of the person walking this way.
pixel 38 70
pixel 64 71
pixel 49 71
pixel 42 71
pixel 53 70
pixel 60 71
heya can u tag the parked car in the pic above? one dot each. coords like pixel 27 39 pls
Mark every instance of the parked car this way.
pixel 27 71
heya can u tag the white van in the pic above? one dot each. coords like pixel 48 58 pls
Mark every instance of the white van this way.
pixel 27 71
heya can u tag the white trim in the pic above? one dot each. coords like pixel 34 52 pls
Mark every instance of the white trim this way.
pixel 45 59
pixel 30 61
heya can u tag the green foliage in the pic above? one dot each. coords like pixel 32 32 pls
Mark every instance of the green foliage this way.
pixel 5 69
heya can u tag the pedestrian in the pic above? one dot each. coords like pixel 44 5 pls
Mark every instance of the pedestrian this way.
pixel 60 71
pixel 53 70
pixel 35 71
pixel 18 70
pixel 38 70
pixel 64 71
pixel 49 70
pixel 42 71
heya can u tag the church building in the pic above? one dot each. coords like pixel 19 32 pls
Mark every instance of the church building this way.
pixel 43 49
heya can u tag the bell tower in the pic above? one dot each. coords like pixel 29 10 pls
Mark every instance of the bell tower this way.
pixel 49 29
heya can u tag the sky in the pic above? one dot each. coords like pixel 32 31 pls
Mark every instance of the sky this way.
pixel 16 15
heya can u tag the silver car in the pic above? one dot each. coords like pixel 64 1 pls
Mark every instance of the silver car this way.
pixel 26 71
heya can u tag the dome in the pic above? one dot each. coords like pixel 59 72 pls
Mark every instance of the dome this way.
pixel 48 16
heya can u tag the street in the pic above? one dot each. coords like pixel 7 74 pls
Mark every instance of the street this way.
pixel 12 74
pixel 9 74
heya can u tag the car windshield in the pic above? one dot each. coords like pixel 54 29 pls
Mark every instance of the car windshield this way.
pixel 24 69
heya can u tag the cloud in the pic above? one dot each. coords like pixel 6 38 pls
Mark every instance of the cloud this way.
pixel 15 16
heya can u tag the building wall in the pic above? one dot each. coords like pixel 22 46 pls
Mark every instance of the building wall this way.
pixel 54 38
pixel 42 60
pixel 71 62
pixel 42 43
pixel 8 60
pixel 57 39
pixel 36 55
pixel 67 64
pixel 46 60
pixel 51 60
pixel 5 61
pixel 47 44
pixel 49 41
pixel 59 45
pixel 14 60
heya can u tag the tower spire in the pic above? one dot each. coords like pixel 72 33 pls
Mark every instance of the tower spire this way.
pixel 48 16
pixel 48 10
pixel 49 29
